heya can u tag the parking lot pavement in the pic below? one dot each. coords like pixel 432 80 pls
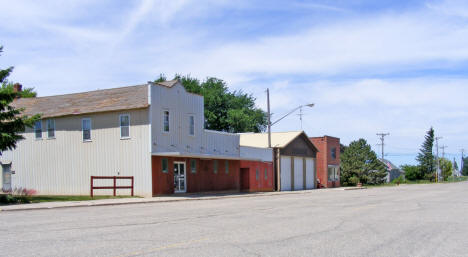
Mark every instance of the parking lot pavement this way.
pixel 415 220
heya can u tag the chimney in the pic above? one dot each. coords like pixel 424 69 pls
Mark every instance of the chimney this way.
pixel 17 87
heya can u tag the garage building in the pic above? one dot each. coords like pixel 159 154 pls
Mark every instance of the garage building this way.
pixel 294 158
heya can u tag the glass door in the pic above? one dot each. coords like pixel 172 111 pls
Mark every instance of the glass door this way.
pixel 179 177
pixel 6 177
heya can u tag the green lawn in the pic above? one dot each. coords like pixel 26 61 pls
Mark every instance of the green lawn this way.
pixel 9 199
pixel 409 182
pixel 61 198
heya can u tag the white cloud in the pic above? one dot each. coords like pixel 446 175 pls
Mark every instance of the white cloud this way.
pixel 350 66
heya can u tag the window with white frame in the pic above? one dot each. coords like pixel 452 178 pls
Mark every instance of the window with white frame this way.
pixel 86 128
pixel 192 125
pixel 50 128
pixel 38 129
pixel 124 126
pixel 166 121
pixel 333 173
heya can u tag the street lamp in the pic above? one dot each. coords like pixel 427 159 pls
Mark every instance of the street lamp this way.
pixel 269 115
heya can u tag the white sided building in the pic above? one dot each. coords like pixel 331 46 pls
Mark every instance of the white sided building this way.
pixel 152 132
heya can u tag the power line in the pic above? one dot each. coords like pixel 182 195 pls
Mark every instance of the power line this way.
pixel 443 150
pixel 382 140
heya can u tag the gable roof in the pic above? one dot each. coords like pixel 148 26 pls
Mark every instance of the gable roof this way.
pixel 278 139
pixel 105 100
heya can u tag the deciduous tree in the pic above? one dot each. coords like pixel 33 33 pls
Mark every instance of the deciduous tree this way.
pixel 360 164
pixel 224 110
pixel 446 168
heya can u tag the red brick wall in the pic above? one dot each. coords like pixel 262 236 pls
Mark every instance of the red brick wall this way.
pixel 262 184
pixel 204 179
pixel 324 158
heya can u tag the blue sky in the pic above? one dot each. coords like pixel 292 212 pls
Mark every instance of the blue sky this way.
pixel 369 66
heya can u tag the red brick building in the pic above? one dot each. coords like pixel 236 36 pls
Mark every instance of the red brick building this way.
pixel 328 160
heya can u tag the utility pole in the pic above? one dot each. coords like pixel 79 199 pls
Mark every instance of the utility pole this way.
pixel 300 115
pixel 269 118
pixel 443 151
pixel 382 140
pixel 462 160
pixel 437 158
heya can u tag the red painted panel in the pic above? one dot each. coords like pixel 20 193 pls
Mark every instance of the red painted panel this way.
pixel 259 183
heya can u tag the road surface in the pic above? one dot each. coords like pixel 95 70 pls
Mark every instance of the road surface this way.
pixel 415 220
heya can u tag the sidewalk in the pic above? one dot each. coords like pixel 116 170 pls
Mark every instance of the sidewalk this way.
pixel 158 199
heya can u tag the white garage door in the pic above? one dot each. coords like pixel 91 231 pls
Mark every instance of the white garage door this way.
pixel 285 173
pixel 298 173
pixel 310 174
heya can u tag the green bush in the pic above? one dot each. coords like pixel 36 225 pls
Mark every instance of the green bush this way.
pixel 13 199
pixel 354 180
pixel 412 172
pixel 399 180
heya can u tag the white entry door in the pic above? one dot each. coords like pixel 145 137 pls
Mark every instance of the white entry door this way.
pixel 285 173
pixel 180 185
pixel 6 178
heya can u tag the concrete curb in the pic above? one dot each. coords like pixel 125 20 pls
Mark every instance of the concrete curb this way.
pixel 28 207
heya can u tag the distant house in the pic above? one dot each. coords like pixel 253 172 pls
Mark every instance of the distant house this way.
pixel 328 160
pixel 153 132
pixel 393 171
pixel 294 158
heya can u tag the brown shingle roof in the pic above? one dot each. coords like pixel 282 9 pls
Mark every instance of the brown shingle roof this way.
pixel 123 98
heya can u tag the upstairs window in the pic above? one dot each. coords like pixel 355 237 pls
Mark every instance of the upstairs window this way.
pixel 333 153
pixel 191 125
pixel 266 173
pixel 86 128
pixel 50 128
pixel 257 174
pixel 38 129
pixel 166 121
pixel 124 126
pixel 215 166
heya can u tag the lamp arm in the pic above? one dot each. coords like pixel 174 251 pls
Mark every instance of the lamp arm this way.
pixel 295 109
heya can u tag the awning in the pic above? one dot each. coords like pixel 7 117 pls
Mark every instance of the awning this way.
pixel 202 156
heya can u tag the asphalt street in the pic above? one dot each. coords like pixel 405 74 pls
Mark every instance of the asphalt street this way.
pixel 415 220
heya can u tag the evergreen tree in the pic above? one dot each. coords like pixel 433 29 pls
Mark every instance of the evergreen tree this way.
pixel 360 164
pixel 12 123
pixel 425 157
pixel 465 167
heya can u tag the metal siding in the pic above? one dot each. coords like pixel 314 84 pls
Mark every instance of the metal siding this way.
pixel 310 174
pixel 263 154
pixel 285 173
pixel 63 166
pixel 298 173
pixel 181 104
